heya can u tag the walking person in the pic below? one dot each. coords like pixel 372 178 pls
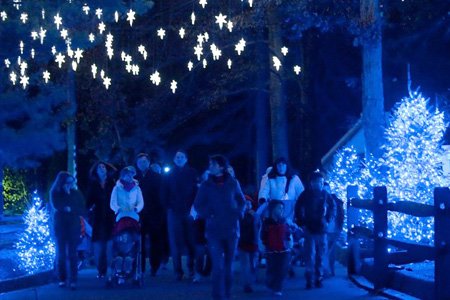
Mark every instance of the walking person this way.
pixel 221 203
pixel 152 216
pixel 68 206
pixel 250 226
pixel 178 192
pixel 314 211
pixel 101 184
pixel 277 239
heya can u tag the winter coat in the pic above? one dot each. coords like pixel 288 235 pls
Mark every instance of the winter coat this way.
pixel 221 205
pixel 126 203
pixel 276 235
pixel 98 200
pixel 179 189
pixel 314 210
pixel 275 189
pixel 67 222
pixel 249 232
pixel 154 211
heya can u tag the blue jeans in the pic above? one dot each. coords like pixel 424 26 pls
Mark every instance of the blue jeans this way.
pixel 222 254
pixel 315 252
pixel 181 235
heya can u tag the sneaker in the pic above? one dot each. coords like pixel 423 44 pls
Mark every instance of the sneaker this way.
pixel 248 289
pixel 62 284
pixel 278 293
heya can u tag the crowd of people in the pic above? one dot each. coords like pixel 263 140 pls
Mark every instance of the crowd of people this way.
pixel 206 218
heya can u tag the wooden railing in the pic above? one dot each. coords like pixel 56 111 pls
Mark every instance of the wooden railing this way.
pixel 410 251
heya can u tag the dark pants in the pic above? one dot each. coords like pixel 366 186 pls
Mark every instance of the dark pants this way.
pixel 315 251
pixel 66 250
pixel 103 255
pixel 155 234
pixel 248 266
pixel 222 255
pixel 332 239
pixel 277 270
pixel 202 260
pixel 181 235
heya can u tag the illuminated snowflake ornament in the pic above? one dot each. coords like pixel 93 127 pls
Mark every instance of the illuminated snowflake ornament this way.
pixel 60 59
pixel 155 78
pixel 276 63
pixel 3 15
pixel 173 86
pixel 94 70
pixel 106 82
pixel 161 33
pixel 221 20
pixel 131 16
pixel 101 27
pixel 190 65
pixel 203 3
pixel 297 69
pixel 57 21
pixel 46 76
pixel 24 81
pixel 284 51
pixel 182 32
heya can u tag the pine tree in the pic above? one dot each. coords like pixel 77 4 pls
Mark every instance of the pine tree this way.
pixel 35 248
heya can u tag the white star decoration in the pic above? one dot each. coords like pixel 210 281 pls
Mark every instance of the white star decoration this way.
pixel 161 33
pixel 94 70
pixel 99 13
pixel 239 47
pixel 7 63
pixel 182 32
pixel 116 16
pixel 13 77
pixel 215 52
pixel 230 26
pixel 60 59
pixel 276 63
pixel 229 63
pixel 91 37
pixel 190 65
pixel 205 63
pixel 46 76
pixel 297 69
pixel 101 27
pixel 203 3
pixel 64 33
pixel 106 82
pixel 173 86
pixel 155 78
pixel 78 54
pixel 24 17
pixel 86 9
pixel 24 81
pixel 221 20
pixel 198 50
pixel 131 17
pixel 3 15
pixel 58 21
pixel 284 51
pixel 34 35
pixel 193 18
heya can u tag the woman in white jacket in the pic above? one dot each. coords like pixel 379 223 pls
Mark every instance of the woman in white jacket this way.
pixel 281 185
pixel 126 197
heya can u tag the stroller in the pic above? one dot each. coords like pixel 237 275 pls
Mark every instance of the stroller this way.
pixel 126 262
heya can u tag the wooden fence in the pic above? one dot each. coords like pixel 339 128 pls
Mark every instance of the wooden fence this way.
pixel 409 251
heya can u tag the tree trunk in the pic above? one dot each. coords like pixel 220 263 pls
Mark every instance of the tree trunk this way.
pixel 71 125
pixel 2 200
pixel 277 98
pixel 372 77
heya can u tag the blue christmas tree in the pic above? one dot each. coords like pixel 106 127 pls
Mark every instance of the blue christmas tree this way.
pixel 35 248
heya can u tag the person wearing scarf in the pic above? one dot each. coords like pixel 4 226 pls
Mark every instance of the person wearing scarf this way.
pixel 126 197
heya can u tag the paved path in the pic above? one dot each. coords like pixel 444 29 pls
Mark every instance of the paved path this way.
pixel 164 287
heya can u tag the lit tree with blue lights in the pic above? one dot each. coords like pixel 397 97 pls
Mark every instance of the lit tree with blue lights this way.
pixel 36 249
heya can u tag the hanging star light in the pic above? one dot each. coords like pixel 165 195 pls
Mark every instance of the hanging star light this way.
pixel 141 50
pixel 203 3
pixel 190 65
pixel 131 16
pixel 91 37
pixel 173 86
pixel 155 78
pixel 34 35
pixel 21 46
pixel 64 33
pixel 182 32
pixel 106 82
pixel 78 54
pixel 42 34
pixel 53 50
pixel 116 16
pixel 198 50
pixel 74 66
pixel 43 14
pixel 240 46
pixel 101 27
pixel 99 13
pixel 200 39
pixel 46 76
pixel 94 70
pixel 206 36
pixel 135 69
pixel 205 63
pixel 3 15
pixel 60 59
pixel 86 9
pixel 23 67
pixel 24 81
pixel 215 52
pixel 7 63
pixel 193 18
pixel 161 33
pixel 221 20
pixel 229 63
pixel 102 74
pixel 110 53
pixel 33 53
pixel 58 21
pixel 13 77
pixel 284 51
pixel 276 63
pixel 128 68
pixel 250 3
pixel 297 69
pixel 24 17
pixel 230 26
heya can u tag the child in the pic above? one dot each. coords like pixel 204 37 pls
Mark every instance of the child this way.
pixel 314 211
pixel 277 239
pixel 248 246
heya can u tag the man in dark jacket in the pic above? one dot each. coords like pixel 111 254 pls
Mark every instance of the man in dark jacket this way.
pixel 313 211
pixel 221 203
pixel 152 216
pixel 178 193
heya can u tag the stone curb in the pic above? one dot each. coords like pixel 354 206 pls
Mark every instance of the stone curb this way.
pixel 27 281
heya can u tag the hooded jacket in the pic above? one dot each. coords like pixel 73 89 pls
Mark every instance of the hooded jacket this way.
pixel 126 203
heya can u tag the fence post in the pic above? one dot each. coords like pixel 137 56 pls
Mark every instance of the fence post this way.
pixel 442 243
pixel 380 232
pixel 354 263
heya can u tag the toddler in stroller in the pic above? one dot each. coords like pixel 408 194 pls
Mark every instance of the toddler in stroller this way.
pixel 126 252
